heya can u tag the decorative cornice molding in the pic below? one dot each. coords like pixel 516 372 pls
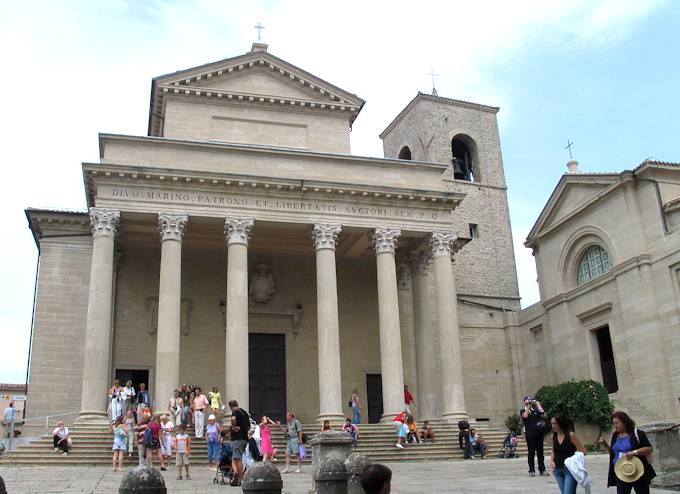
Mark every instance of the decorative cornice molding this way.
pixel 325 235
pixel 104 222
pixel 237 230
pixel 404 276
pixel 385 240
pixel 442 243
pixel 420 262
pixel 171 225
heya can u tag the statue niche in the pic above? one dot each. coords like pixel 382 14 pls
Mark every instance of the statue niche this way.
pixel 261 283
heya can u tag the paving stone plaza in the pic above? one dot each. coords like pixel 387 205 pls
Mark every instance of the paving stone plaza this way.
pixel 479 476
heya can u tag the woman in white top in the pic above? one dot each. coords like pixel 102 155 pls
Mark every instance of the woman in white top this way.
pixel 116 397
pixel 166 437
pixel 61 438
pixel 127 397
pixel 176 408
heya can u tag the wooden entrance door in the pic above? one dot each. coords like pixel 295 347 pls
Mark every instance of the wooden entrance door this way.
pixel 267 354
pixel 137 376
pixel 374 398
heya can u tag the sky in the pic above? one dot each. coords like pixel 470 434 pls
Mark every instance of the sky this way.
pixel 603 73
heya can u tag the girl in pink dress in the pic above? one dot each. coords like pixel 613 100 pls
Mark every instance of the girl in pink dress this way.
pixel 266 438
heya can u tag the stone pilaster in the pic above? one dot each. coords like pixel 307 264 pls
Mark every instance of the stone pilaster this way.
pixel 453 396
pixel 171 228
pixel 406 323
pixel 96 365
pixel 330 385
pixel 237 231
pixel 384 242
pixel 427 353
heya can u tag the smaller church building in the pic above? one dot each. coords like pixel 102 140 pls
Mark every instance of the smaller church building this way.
pixel 240 244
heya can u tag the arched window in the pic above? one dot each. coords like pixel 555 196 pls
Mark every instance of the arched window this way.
pixel 461 157
pixel 595 262
pixel 405 153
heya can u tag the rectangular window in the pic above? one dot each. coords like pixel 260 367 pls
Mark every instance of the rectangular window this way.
pixel 604 345
pixel 474 231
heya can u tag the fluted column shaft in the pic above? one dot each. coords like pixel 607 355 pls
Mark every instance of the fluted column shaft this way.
pixel 330 383
pixel 384 241
pixel 429 386
pixel 171 227
pixel 96 363
pixel 237 231
pixel 407 329
pixel 453 395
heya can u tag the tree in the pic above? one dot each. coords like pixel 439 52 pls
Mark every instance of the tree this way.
pixel 582 401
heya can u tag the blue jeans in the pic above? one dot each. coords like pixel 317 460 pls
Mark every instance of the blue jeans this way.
pixel 213 450
pixel 356 415
pixel 565 481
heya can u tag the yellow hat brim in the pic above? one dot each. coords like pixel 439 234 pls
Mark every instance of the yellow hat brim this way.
pixel 623 465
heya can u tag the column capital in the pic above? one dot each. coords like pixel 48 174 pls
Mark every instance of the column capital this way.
pixel 104 222
pixel 171 225
pixel 420 262
pixel 325 235
pixel 238 230
pixel 385 240
pixel 442 243
pixel 404 275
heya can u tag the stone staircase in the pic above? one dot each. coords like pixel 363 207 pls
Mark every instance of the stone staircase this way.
pixel 92 446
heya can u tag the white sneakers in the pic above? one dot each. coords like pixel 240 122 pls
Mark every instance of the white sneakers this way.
pixel 299 470
pixel 400 446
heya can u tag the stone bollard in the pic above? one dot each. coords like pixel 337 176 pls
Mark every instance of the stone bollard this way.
pixel 665 460
pixel 330 449
pixel 263 478
pixel 331 477
pixel 3 490
pixel 142 480
pixel 355 464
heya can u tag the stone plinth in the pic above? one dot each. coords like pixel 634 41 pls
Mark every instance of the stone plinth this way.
pixel 142 480
pixel 331 449
pixel 355 464
pixel 665 460
pixel 263 478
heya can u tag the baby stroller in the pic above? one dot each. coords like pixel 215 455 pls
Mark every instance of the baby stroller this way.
pixel 509 447
pixel 224 467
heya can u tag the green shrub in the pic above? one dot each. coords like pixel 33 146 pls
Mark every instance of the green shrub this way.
pixel 582 401
pixel 514 424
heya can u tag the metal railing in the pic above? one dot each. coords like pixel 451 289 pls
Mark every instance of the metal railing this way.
pixel 47 418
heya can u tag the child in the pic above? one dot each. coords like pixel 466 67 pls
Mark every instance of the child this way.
pixel 352 430
pixel 326 426
pixel 182 444
pixel 130 424
pixel 266 447
pixel 426 432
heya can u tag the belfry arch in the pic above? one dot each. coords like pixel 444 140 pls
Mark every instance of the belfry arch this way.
pixel 463 158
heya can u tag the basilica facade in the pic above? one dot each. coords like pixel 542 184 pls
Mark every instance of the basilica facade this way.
pixel 241 245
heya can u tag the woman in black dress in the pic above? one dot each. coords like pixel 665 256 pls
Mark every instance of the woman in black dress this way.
pixel 628 441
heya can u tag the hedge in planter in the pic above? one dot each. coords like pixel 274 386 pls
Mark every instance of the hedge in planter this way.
pixel 582 401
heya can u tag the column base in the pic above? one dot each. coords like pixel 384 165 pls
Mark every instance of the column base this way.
pixel 333 418
pixel 87 417
pixel 454 417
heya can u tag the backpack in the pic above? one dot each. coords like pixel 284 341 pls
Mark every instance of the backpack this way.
pixel 147 438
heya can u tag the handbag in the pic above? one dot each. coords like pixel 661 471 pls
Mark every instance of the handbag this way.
pixel 349 403
pixel 303 452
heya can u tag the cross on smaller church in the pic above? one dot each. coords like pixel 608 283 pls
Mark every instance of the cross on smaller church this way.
pixel 259 28
pixel 433 75
pixel 568 146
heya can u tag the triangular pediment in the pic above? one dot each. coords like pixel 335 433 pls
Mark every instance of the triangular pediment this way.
pixel 572 194
pixel 257 77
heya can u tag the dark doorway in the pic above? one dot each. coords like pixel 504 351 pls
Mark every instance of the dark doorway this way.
pixel 135 375
pixel 604 345
pixel 374 398
pixel 267 356
pixel 405 153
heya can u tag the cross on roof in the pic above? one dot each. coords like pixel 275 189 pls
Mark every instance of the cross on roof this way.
pixel 433 75
pixel 259 28
pixel 568 146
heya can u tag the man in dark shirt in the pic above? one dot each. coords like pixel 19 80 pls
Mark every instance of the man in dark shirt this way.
pixel 240 424
pixel 531 414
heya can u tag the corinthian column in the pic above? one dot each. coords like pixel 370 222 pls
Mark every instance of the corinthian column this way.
pixel 237 231
pixel 171 228
pixel 96 365
pixel 429 387
pixel 453 396
pixel 384 242
pixel 330 386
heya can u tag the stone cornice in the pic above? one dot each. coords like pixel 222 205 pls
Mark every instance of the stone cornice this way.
pixel 220 181
pixel 46 223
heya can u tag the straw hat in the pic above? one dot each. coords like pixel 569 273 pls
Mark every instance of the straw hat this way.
pixel 629 468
